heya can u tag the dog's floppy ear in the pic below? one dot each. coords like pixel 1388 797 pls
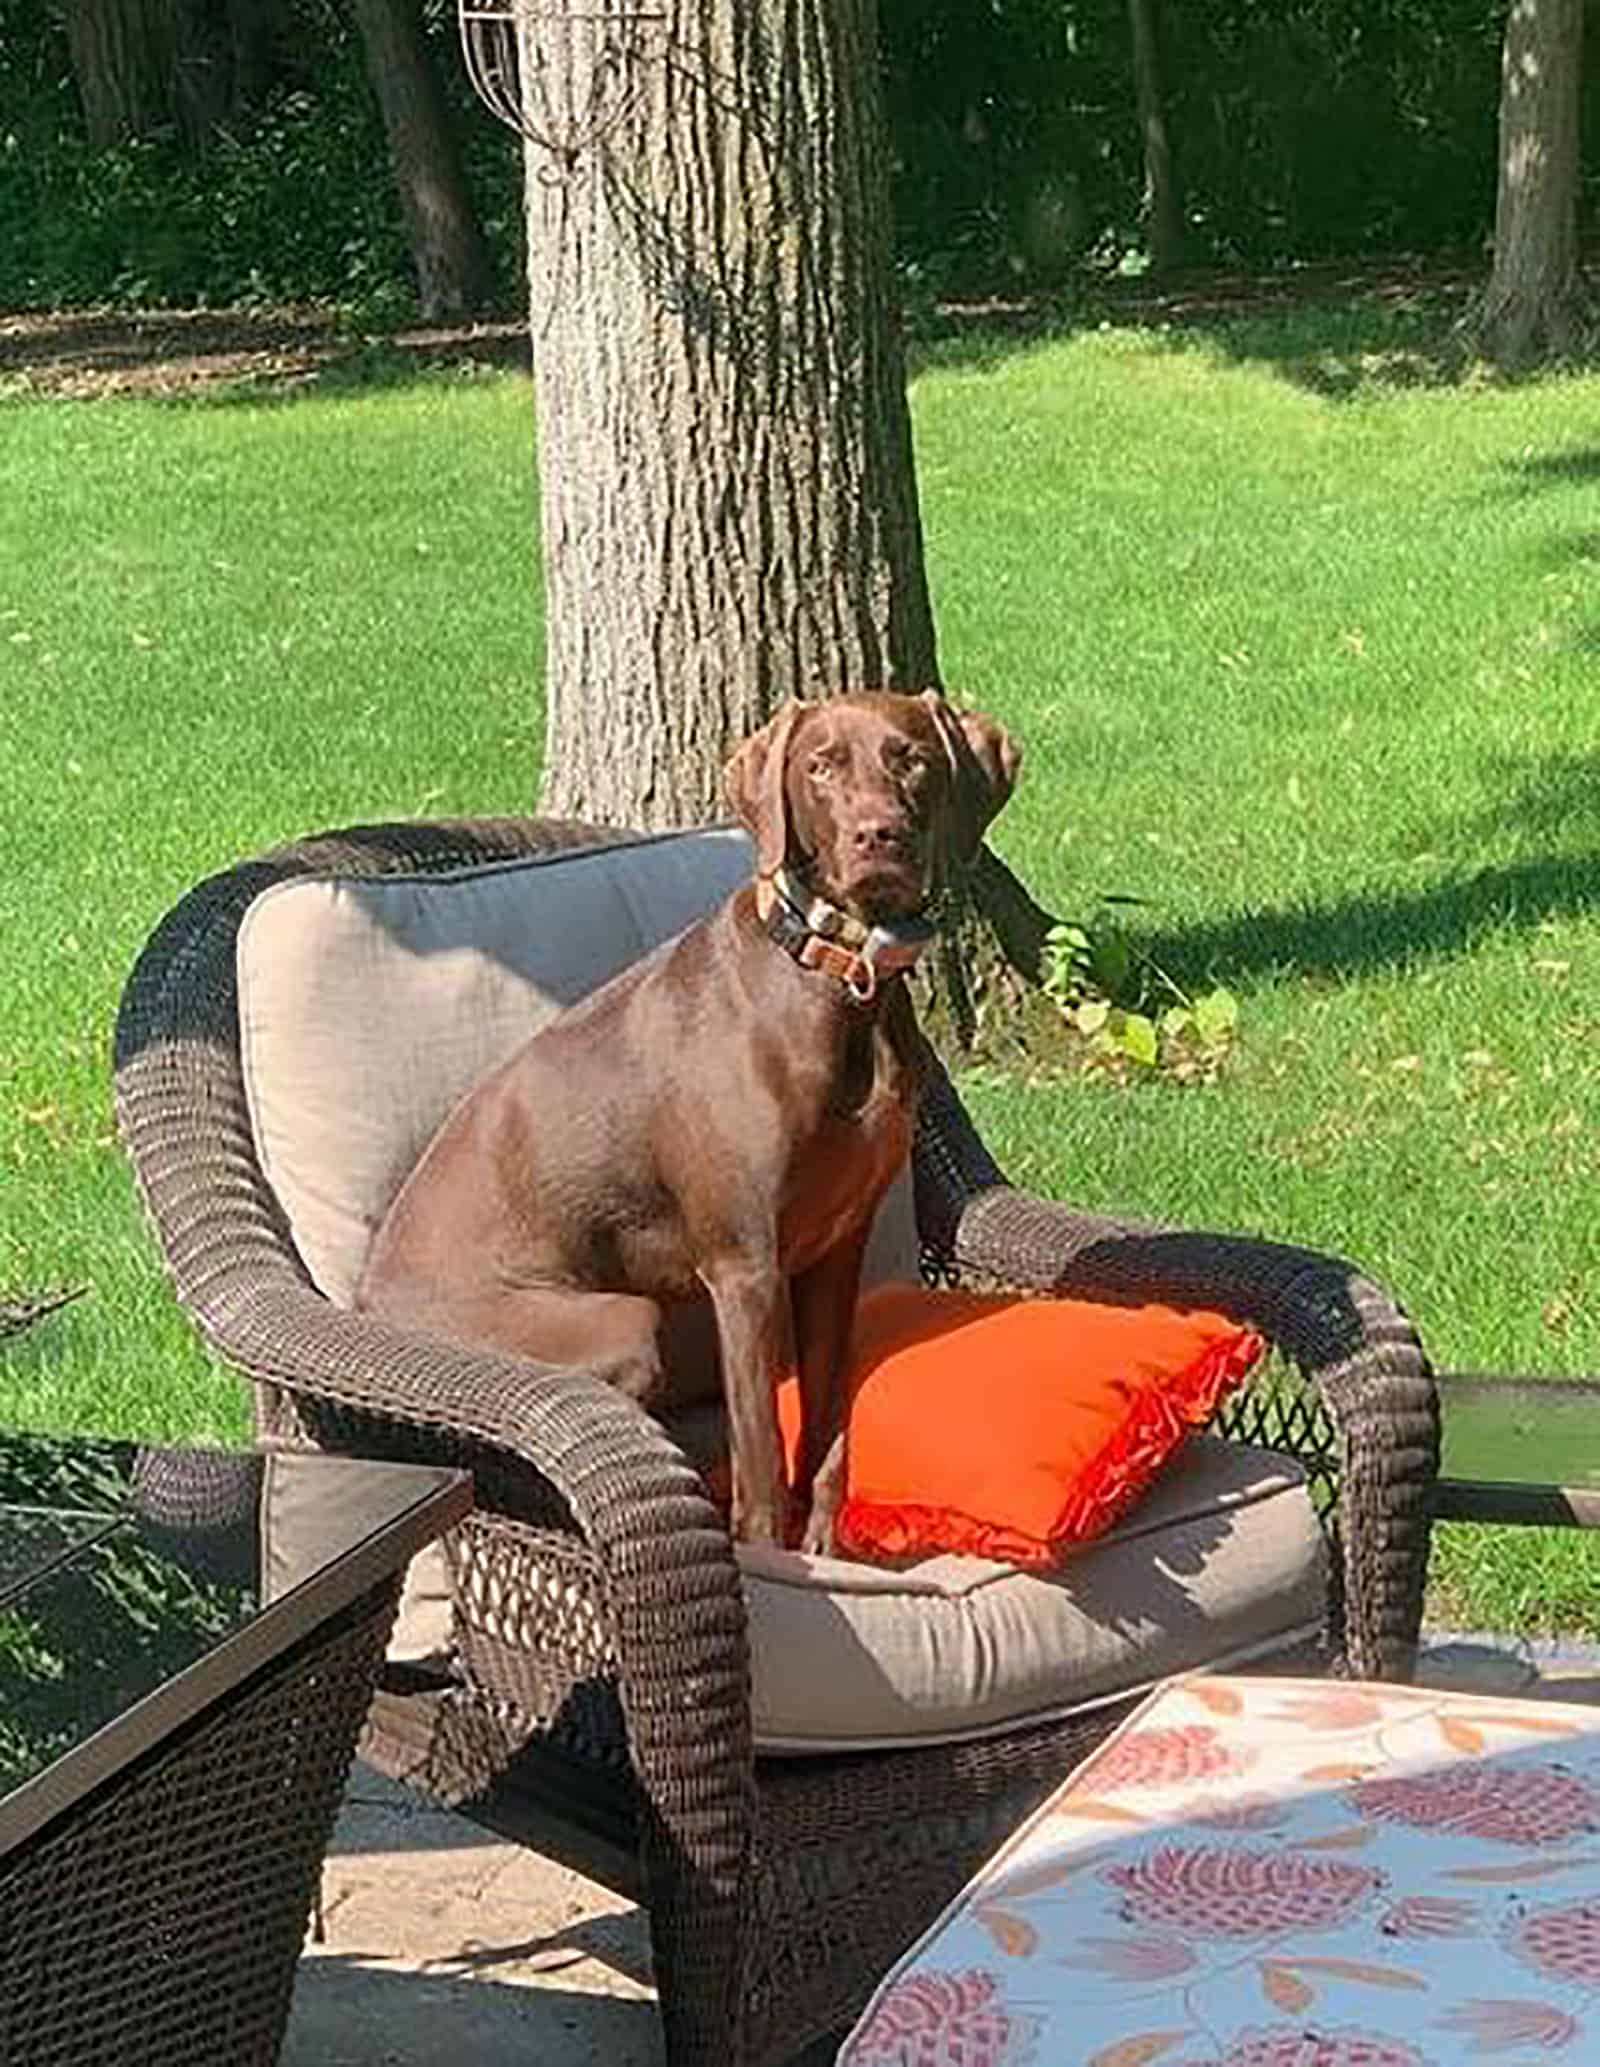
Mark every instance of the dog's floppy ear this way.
pixel 984 760
pixel 754 781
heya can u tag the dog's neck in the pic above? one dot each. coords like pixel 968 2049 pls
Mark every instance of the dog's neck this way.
pixel 819 935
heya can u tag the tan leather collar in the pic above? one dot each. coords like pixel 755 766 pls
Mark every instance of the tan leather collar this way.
pixel 821 936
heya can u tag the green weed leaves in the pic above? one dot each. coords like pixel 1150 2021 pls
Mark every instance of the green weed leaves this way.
pixel 1130 1018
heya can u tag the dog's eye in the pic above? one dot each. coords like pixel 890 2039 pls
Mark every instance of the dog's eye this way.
pixel 820 768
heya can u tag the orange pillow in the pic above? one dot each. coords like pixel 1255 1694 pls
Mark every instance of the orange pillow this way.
pixel 1014 1428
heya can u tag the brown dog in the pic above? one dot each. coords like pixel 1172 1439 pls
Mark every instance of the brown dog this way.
pixel 723 1117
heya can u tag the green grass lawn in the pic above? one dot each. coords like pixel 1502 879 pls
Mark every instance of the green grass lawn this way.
pixel 1319 680
pixel 1304 656
pixel 219 625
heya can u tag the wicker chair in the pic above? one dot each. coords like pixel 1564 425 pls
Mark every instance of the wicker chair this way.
pixel 603 1713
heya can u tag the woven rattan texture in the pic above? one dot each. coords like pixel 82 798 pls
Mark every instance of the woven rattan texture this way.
pixel 159 1923
pixel 600 1618
pixel 855 1863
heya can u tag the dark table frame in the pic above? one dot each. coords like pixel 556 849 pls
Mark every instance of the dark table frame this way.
pixel 156 1880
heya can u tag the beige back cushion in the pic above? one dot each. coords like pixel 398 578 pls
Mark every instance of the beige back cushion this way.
pixel 369 1007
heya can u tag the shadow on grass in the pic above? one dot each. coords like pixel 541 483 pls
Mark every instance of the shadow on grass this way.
pixel 1343 330
pixel 1552 798
pixel 1535 473
pixel 1575 549
pixel 1365 934
pixel 1337 330
pixel 1579 467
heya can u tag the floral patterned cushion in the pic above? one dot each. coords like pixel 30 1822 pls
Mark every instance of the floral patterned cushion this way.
pixel 1281 1873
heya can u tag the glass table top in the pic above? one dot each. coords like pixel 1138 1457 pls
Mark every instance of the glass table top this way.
pixel 1521 1430
pixel 33 1539
pixel 124 1567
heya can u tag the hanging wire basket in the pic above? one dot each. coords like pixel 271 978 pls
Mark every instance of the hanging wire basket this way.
pixel 563 78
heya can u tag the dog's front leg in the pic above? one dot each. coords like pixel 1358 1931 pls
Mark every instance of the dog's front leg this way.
pixel 824 1311
pixel 751 1302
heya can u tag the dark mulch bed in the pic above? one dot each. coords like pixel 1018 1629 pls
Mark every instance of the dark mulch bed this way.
pixel 92 352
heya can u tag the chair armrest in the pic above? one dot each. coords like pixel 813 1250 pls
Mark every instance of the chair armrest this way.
pixel 1348 1338
pixel 675 1609
pixel 1349 1341
pixel 670 1592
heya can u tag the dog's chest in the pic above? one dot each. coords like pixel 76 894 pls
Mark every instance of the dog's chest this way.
pixel 847 1160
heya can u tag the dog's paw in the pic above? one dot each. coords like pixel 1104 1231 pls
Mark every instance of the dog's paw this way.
pixel 758 1521
pixel 816 1538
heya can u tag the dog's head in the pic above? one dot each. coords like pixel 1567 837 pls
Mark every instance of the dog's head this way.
pixel 872 797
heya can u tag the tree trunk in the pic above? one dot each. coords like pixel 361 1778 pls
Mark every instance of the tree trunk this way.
pixel 728 496
pixel 729 506
pixel 256 29
pixel 979 989
pixel 447 248
pixel 143 65
pixel 204 86
pixel 1534 303
pixel 121 53
pixel 1163 206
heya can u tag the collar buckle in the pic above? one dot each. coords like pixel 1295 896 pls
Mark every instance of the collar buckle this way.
pixel 821 936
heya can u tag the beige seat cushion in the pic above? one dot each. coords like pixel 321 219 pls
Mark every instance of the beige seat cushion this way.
pixel 301 1528
pixel 1222 1562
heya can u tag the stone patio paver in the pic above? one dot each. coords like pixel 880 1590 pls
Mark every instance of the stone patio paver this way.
pixel 444 1944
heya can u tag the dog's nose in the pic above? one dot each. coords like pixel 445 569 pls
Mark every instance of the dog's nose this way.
pixel 879 835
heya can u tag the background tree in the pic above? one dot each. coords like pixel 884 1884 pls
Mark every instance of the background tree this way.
pixel 145 65
pixel 1305 130
pixel 122 61
pixel 1534 304
pixel 447 249
pixel 728 497
pixel 728 502
pixel 1163 200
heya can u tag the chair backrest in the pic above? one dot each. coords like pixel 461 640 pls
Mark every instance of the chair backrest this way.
pixel 368 1006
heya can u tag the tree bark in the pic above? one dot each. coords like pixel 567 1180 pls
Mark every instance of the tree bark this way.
pixel 447 248
pixel 121 52
pixel 729 505
pixel 729 500
pixel 144 65
pixel 980 988
pixel 204 82
pixel 1163 204
pixel 1534 304
pixel 255 30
